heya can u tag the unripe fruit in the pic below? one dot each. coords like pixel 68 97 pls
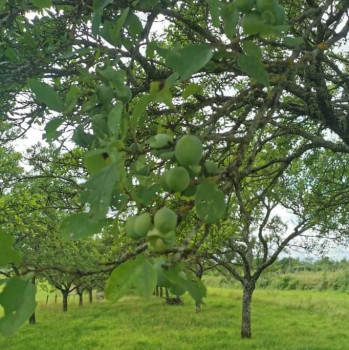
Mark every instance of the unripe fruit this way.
pixel 163 182
pixel 142 225
pixel 129 226
pixel 188 150
pixel 160 141
pixel 165 220
pixel 177 179
pixel 244 5
pixel 263 5
pixel 105 94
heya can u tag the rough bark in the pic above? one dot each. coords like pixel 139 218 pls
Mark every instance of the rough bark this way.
pixel 32 319
pixel 248 288
pixel 65 301
pixel 90 295
pixel 81 301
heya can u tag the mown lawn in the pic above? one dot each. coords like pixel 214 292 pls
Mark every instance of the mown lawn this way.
pixel 282 320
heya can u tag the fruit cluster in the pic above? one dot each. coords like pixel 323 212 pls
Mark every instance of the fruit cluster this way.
pixel 260 12
pixel 187 155
pixel 160 232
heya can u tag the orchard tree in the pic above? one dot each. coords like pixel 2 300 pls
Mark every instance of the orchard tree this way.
pixel 171 116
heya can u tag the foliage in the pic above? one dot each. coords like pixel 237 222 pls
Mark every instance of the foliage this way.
pixel 258 84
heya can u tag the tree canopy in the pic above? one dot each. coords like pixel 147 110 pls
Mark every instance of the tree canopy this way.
pixel 188 122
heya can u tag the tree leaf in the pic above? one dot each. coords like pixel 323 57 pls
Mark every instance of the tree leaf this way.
pixel 145 277
pixel 42 3
pixel 46 94
pixel 209 202
pixel 79 225
pixel 18 301
pixel 214 11
pixel 99 189
pixel 230 18
pixel 192 89
pixel 253 67
pixel 7 253
pixel 293 41
pixel 114 118
pixel 252 49
pixel 135 27
pixel 100 4
pixel 195 287
pixel 120 280
pixel 190 59
pixel 51 127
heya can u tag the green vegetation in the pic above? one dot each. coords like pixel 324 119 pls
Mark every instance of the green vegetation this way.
pixel 317 318
pixel 219 110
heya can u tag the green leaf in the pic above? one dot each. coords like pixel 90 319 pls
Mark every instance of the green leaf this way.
pixel 293 41
pixel 214 11
pixel 190 59
pixel 252 49
pixel 46 94
pixel 79 225
pixel 195 287
pixel 96 159
pixel 18 301
pixel 139 110
pixel 135 27
pixel 2 4
pixel 100 4
pixel 230 19
pixel 160 92
pixel 145 277
pixel 7 253
pixel 99 189
pixel 209 202
pixel 42 3
pixel 147 194
pixel 51 127
pixel 253 67
pixel 120 280
pixel 139 272
pixel 114 118
pixel 115 31
pixel 81 138
pixel 192 89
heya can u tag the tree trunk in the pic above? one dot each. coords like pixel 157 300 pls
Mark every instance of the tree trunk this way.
pixel 199 272
pixel 65 301
pixel 81 299
pixel 32 319
pixel 248 289
pixel 90 296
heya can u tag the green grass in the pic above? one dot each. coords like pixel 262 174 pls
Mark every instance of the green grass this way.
pixel 282 320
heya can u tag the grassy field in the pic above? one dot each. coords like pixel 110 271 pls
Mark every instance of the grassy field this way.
pixel 282 320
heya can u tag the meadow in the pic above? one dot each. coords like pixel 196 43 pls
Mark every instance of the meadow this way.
pixel 282 320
